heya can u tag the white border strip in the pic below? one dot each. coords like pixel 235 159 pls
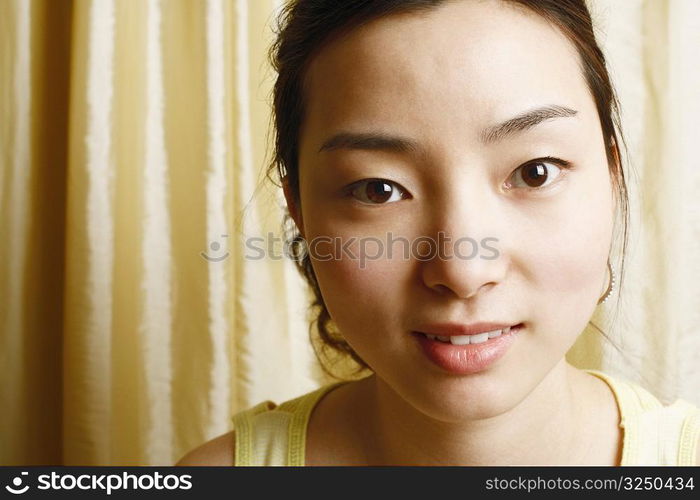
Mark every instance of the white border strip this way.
pixel 244 166
pixel 100 223
pixel 157 256
pixel 220 373
pixel 243 93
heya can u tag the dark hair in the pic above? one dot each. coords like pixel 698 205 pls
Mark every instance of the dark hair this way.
pixel 304 27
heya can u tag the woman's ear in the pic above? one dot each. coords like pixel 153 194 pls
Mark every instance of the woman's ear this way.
pixel 292 205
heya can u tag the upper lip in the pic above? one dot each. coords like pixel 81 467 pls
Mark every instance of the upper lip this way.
pixel 450 329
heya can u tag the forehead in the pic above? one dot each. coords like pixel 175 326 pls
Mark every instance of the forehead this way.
pixel 456 67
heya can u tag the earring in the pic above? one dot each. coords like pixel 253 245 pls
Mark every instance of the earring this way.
pixel 611 286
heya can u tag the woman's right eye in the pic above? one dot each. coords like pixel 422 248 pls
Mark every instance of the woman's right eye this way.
pixel 376 191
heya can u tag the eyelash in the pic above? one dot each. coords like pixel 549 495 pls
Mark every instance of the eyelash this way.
pixel 562 164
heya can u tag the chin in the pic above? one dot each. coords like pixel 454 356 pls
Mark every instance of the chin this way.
pixel 460 399
pixel 457 411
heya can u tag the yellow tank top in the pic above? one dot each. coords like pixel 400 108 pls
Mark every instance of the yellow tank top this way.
pixel 654 434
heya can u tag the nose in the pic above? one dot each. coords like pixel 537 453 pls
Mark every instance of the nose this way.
pixel 469 257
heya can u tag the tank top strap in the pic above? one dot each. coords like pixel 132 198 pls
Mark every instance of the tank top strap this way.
pixel 631 398
pixel 243 424
pixel 300 409
pixel 632 402
pixel 654 434
pixel 271 434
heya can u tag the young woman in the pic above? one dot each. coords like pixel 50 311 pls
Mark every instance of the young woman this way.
pixel 480 138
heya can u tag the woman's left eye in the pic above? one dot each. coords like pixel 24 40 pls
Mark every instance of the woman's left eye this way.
pixel 376 191
pixel 537 174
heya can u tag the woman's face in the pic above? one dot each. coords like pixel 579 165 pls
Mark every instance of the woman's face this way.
pixel 443 80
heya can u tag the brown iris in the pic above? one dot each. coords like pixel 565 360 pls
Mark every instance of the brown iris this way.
pixel 378 191
pixel 534 174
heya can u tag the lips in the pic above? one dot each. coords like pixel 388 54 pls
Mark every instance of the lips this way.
pixel 467 354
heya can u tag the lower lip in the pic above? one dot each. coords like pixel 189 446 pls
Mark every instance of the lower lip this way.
pixel 470 358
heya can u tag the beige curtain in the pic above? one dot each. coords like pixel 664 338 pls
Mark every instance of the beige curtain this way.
pixel 652 49
pixel 133 139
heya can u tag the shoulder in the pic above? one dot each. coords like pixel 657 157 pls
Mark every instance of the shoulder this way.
pixel 217 451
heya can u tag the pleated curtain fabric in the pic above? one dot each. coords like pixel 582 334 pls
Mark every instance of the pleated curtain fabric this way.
pixel 135 318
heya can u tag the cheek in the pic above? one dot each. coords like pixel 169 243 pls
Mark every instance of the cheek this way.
pixel 573 263
pixel 568 242
pixel 567 264
pixel 363 296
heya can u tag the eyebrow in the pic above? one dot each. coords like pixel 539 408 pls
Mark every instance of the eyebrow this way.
pixel 378 141
pixel 525 121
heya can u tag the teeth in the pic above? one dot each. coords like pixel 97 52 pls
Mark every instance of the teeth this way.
pixel 469 339
pixel 460 340
pixel 497 333
pixel 478 339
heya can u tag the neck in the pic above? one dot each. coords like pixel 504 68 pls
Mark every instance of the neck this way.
pixel 543 429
